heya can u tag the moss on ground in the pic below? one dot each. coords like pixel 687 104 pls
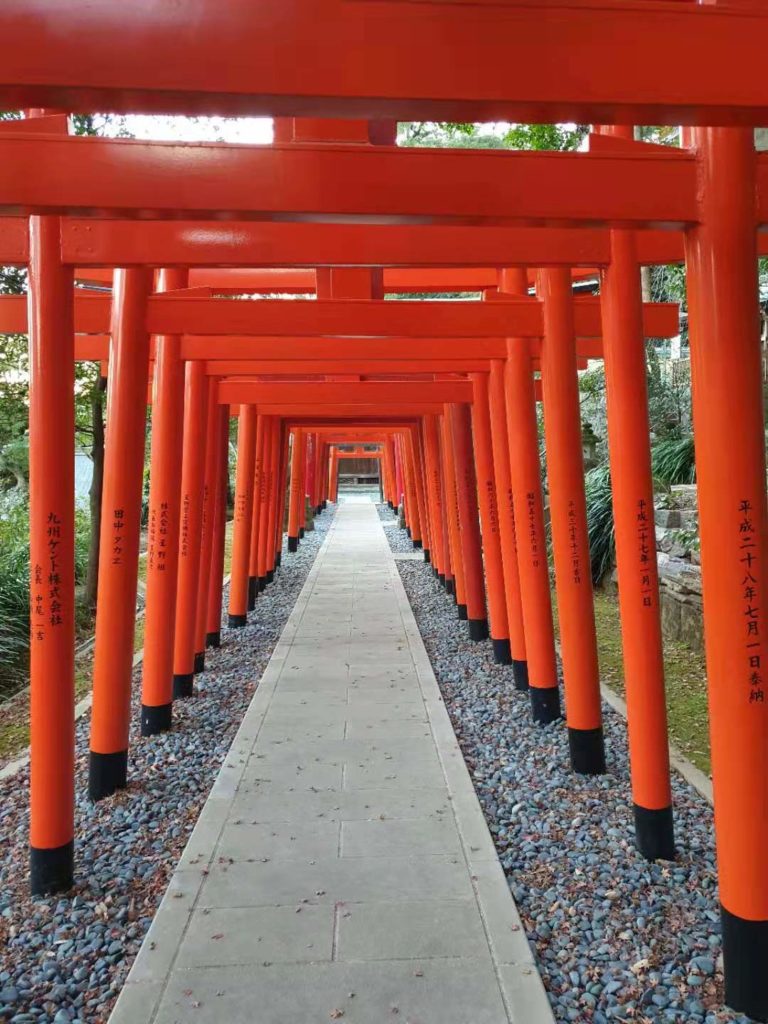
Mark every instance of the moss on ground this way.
pixel 685 676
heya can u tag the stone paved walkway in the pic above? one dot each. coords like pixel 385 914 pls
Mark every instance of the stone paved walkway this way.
pixel 341 868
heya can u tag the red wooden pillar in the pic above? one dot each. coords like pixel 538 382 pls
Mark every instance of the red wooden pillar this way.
pixel 730 466
pixel 334 480
pixel 309 471
pixel 434 494
pixel 241 534
pixel 264 501
pixel 120 532
pixel 305 444
pixel 211 478
pixel 633 516
pixel 449 582
pixel 568 516
pixel 469 523
pixel 273 479
pixel 421 492
pixel 253 550
pixel 163 534
pixel 296 497
pixel 190 526
pixel 452 515
pixel 506 508
pixel 409 494
pixel 389 457
pixel 413 485
pixel 284 456
pixel 215 582
pixel 522 430
pixel 52 581
pixel 317 499
pixel 400 496
pixel 489 519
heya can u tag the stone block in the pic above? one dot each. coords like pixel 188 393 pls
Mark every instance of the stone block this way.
pixel 667 518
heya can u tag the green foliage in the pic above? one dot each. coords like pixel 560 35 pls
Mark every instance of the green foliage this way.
pixel 602 545
pixel 14 587
pixel 545 136
pixel 449 135
pixel 14 595
pixel 669 395
pixel 672 460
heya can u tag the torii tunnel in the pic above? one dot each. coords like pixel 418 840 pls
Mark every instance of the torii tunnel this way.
pixel 336 217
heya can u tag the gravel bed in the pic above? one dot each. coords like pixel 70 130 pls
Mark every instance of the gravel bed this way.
pixel 399 540
pixel 65 959
pixel 616 938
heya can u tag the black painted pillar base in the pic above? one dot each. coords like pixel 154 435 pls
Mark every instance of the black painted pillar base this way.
pixel 587 748
pixel 502 652
pixel 237 621
pixel 301 533
pixel 450 586
pixel 745 955
pixel 213 639
pixel 462 611
pixel 278 559
pixel 270 576
pixel 441 578
pixel 417 545
pixel 520 674
pixel 51 870
pixel 655 833
pixel 408 530
pixel 293 544
pixel 107 773
pixel 155 718
pixel 183 685
pixel 253 589
pixel 324 506
pixel 427 556
pixel 545 704
pixel 262 583
pixel 199 662
pixel 478 629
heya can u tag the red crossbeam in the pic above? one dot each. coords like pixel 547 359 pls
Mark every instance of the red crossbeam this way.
pixel 191 315
pixel 326 58
pixel 129 178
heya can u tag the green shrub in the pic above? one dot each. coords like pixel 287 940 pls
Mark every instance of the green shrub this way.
pixel 672 460
pixel 602 545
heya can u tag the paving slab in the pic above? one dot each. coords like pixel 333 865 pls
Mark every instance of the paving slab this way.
pixel 341 868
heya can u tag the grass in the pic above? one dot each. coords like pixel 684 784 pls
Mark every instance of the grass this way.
pixel 685 677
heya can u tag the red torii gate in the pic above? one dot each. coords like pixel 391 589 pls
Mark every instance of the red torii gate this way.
pixel 719 215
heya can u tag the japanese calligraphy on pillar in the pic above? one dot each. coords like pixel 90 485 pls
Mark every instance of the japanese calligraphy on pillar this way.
pixel 118 525
pixel 184 537
pixel 493 510
pixel 530 499
pixel 162 543
pixel 646 533
pixel 748 560
pixel 151 541
pixel 45 596
pixel 511 505
pixel 241 506
pixel 573 542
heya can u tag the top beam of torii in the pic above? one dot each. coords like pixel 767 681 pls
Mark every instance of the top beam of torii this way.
pixel 486 60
